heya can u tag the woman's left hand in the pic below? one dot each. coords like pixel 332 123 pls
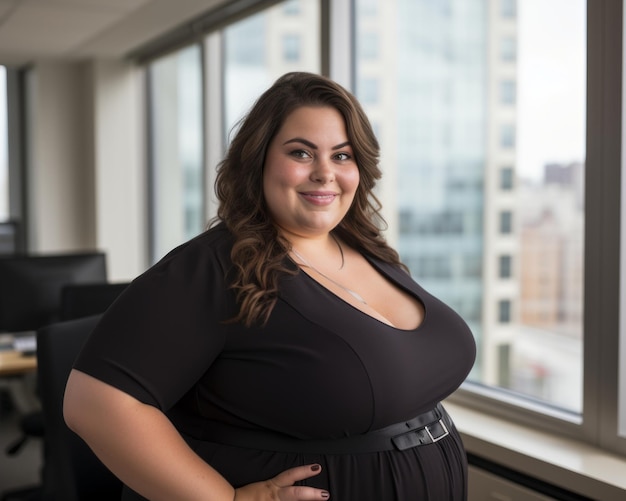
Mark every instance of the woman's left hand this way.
pixel 282 488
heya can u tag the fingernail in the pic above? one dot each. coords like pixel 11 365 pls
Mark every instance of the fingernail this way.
pixel 315 467
pixel 325 495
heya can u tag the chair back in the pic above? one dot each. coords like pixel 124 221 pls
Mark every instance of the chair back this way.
pixel 71 472
pixel 9 237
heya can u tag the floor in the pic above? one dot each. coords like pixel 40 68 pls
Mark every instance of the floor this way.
pixel 23 469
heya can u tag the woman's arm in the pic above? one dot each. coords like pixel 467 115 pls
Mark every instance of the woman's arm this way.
pixel 139 444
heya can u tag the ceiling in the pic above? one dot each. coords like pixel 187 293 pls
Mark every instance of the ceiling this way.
pixel 36 30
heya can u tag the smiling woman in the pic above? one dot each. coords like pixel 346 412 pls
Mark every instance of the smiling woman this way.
pixel 307 362
pixel 310 176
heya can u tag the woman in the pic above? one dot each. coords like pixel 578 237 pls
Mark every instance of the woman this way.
pixel 285 353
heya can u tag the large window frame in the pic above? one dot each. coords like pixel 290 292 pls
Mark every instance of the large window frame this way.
pixel 16 149
pixel 598 423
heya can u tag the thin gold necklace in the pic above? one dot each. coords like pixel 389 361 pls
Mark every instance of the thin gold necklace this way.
pixel 354 294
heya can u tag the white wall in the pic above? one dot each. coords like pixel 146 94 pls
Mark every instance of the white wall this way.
pixel 85 174
pixel 59 174
pixel 120 177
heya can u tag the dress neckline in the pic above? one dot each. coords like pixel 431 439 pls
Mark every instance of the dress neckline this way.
pixel 392 274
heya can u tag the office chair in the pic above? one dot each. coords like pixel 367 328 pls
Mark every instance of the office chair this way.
pixel 9 237
pixel 71 471
pixel 77 300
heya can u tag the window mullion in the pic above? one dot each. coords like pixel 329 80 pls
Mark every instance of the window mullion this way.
pixel 602 239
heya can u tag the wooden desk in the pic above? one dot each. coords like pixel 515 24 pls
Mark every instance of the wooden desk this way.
pixel 18 376
pixel 14 363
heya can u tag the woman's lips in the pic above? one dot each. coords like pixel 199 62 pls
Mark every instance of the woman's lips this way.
pixel 319 197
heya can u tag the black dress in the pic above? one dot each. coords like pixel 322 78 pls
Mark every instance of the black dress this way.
pixel 318 369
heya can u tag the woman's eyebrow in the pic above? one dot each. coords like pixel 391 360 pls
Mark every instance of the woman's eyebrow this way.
pixel 312 145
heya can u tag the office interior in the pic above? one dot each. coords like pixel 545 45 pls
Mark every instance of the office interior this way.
pixel 87 88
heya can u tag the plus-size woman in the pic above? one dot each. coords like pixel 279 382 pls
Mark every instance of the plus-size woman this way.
pixel 285 353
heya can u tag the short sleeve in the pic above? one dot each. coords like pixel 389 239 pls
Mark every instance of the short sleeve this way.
pixel 166 329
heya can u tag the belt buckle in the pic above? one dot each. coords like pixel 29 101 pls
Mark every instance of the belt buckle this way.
pixel 445 433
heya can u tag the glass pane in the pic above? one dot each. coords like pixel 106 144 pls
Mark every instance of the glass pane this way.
pixel 486 202
pixel 176 135
pixel 262 47
pixel 4 148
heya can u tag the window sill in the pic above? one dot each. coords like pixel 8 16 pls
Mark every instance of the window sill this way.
pixel 563 462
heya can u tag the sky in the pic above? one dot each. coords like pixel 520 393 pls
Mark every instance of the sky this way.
pixel 551 83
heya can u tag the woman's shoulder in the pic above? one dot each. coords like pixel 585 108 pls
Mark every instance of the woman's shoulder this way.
pixel 209 250
pixel 215 241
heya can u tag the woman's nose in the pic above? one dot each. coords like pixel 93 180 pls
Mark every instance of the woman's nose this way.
pixel 323 171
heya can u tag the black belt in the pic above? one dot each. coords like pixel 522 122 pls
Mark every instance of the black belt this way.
pixel 427 428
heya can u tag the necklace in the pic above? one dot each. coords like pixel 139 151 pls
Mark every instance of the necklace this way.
pixel 354 294
pixel 340 251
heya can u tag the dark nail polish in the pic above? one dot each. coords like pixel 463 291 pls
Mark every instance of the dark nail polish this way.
pixel 316 467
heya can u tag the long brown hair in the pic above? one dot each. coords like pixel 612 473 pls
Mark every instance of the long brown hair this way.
pixel 259 251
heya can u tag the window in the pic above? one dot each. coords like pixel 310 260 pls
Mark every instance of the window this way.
pixel 507 136
pixel 4 148
pixel 176 134
pixel 504 311
pixel 291 47
pixel 251 63
pixel 507 175
pixel 368 8
pixel 368 90
pixel 444 136
pixel 508 49
pixel 505 263
pixel 368 46
pixel 507 92
pixel 508 8
pixel 506 222
pixel 501 162
pixel 291 7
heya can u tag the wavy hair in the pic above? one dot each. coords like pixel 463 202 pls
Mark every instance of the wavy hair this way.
pixel 259 251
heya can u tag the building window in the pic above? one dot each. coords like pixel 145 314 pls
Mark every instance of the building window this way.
pixel 507 136
pixel 368 7
pixel 291 7
pixel 291 47
pixel 506 222
pixel 508 90
pixel 504 311
pixel 508 49
pixel 507 176
pixel 508 8
pixel 368 90
pixel 505 266
pixel 369 46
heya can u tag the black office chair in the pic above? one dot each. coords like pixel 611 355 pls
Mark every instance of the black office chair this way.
pixel 71 471
pixel 77 300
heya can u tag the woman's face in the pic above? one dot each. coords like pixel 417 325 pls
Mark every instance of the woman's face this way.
pixel 310 176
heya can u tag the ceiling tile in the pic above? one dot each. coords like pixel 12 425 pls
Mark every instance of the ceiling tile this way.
pixel 47 28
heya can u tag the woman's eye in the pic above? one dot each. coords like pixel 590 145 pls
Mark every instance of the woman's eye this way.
pixel 300 154
pixel 343 156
